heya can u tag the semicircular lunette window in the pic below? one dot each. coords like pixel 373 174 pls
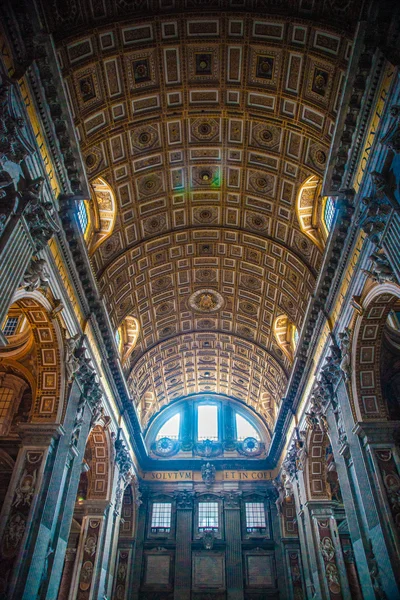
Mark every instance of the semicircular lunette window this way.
pixel 244 429
pixel 126 337
pixel 309 211
pixel 103 214
pixel 287 336
pixel 207 428
pixel 170 428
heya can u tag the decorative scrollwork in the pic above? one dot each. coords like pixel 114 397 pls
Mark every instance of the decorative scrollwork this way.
pixel 39 214
pixel 208 448
pixel 12 144
pixel 381 270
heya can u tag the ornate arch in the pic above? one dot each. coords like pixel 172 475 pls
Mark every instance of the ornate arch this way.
pixel 366 351
pixel 48 393
pixel 308 209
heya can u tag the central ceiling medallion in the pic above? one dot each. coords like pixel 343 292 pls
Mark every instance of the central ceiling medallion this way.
pixel 206 301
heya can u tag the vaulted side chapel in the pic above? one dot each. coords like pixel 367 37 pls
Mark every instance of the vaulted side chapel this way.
pixel 199 300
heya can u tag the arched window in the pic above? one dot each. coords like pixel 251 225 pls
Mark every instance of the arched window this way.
pixel 10 326
pixel 207 426
pixel 207 422
pixel 104 212
pixel 244 429
pixel 287 336
pixel 170 429
pixel 329 212
pixel 118 338
pixel 83 217
pixel 126 337
pixel 308 209
pixel 295 336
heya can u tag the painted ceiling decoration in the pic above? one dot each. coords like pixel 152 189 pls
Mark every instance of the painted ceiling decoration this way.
pixel 206 128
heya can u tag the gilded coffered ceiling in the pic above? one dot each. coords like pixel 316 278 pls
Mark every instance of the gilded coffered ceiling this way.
pixel 205 125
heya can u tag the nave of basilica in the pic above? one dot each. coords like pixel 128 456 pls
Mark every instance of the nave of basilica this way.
pixel 199 300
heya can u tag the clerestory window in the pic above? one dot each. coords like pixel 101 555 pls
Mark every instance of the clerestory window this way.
pixel 83 218
pixel 255 517
pixel 208 516
pixel 329 212
pixel 170 429
pixel 244 429
pixel 207 422
pixel 161 517
pixel 10 326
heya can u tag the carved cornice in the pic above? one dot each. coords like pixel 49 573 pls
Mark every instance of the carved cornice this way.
pixel 327 280
pixel 355 109
pixel 232 500
pixel 82 264
pixel 184 500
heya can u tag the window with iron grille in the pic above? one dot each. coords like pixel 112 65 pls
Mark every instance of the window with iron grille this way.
pixel 208 516
pixel 10 326
pixel 82 216
pixel 329 212
pixel 255 517
pixel 161 517
pixel 6 397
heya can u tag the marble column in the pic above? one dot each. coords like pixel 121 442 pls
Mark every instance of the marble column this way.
pixel 67 574
pixel 375 543
pixel 87 565
pixel 22 512
pixel 140 536
pixel 123 566
pixel 183 567
pixel 355 514
pixel 233 537
pixel 307 541
pixel 281 573
pixel 329 551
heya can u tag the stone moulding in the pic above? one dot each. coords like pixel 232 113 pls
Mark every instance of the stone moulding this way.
pixel 327 280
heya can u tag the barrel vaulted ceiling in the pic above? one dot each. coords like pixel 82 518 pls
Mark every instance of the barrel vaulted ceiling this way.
pixel 205 124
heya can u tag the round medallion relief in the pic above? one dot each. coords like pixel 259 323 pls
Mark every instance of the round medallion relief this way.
pixel 206 301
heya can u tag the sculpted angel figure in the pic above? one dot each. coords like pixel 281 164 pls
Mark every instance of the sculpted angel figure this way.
pixel 381 271
pixel 280 488
pixel 71 361
pixel 344 343
pixel 36 275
